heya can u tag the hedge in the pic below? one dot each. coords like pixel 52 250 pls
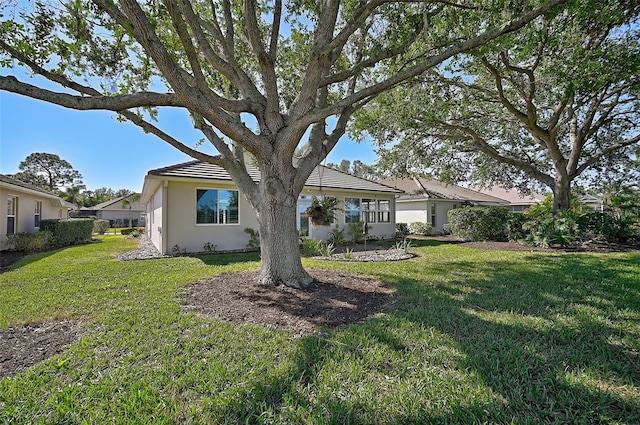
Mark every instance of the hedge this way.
pixel 100 226
pixel 29 241
pixel 68 231
pixel 479 223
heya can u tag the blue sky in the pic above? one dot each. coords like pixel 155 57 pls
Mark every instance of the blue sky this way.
pixel 105 151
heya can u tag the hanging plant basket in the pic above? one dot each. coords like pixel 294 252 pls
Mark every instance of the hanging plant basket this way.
pixel 322 211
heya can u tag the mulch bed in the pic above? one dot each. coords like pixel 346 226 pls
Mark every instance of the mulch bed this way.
pixel 332 300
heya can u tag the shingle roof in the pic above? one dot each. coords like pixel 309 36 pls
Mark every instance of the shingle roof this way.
pixel 322 176
pixel 421 188
pixel 10 180
pixel 512 195
pixel 106 204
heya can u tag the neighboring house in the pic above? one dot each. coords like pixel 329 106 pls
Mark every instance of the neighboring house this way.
pixel 428 201
pixel 24 205
pixel 593 202
pixel 517 201
pixel 191 204
pixel 115 211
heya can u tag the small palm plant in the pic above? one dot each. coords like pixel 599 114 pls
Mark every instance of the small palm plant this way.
pixel 128 202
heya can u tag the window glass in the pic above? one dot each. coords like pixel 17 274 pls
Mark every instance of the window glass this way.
pixel 11 215
pixel 369 210
pixel 36 214
pixel 384 215
pixel 216 206
pixel 351 210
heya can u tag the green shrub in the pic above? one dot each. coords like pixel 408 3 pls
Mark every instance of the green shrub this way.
pixel 479 223
pixel 402 230
pixel 101 226
pixel 254 238
pixel 311 246
pixel 606 227
pixel 337 237
pixel 419 228
pixel 68 231
pixel 29 242
pixel 544 228
pixel 356 231
pixel 128 231
pixel 515 229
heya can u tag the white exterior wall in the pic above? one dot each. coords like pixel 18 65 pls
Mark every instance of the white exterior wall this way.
pixel 412 211
pixel 25 211
pixel 420 211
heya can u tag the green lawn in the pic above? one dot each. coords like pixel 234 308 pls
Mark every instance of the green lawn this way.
pixel 473 336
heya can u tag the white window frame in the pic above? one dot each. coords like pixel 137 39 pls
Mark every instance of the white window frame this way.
pixel 217 212
pixel 12 212
pixel 37 214
pixel 365 211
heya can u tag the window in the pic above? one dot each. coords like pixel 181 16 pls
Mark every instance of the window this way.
pixel 433 215
pixel 12 202
pixel 366 210
pixel 36 214
pixel 384 215
pixel 351 210
pixel 369 210
pixel 214 206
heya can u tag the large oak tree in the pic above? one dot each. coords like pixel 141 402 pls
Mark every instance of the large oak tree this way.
pixel 255 76
pixel 551 104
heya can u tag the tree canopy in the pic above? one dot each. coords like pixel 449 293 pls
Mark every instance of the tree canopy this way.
pixel 553 103
pixel 48 171
pixel 260 76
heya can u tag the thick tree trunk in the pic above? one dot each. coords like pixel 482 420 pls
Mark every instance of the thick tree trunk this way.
pixel 279 249
pixel 561 194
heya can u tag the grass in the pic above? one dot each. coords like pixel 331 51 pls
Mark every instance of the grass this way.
pixel 473 337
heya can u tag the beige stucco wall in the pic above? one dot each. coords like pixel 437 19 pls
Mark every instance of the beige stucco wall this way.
pixel 378 230
pixel 155 217
pixel 181 228
pixel 173 212
pixel 25 211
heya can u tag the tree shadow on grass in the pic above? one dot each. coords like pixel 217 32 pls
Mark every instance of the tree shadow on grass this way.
pixel 12 260
pixel 551 340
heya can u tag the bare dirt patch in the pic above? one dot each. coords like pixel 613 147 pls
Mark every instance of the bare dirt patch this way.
pixel 334 299
pixel 24 346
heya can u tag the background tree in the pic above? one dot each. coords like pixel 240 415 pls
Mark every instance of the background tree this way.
pixel 548 105
pixel 74 194
pixel 48 171
pixel 246 84
pixel 357 168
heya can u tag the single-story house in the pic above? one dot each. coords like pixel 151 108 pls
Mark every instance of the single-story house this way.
pixel 428 201
pixel 24 205
pixel 117 211
pixel 517 201
pixel 195 203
